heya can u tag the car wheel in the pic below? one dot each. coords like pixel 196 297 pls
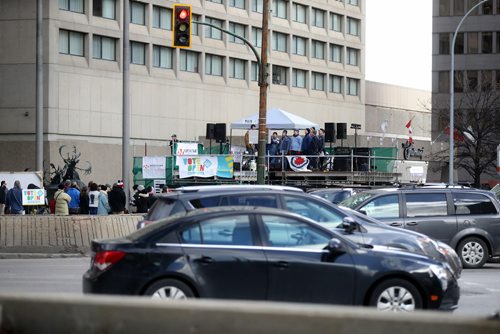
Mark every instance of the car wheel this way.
pixel 169 289
pixel 473 252
pixel 396 295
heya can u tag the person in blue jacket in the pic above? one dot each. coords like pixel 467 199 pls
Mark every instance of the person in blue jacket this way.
pixel 14 199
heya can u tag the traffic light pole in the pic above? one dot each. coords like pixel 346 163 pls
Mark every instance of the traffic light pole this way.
pixel 262 65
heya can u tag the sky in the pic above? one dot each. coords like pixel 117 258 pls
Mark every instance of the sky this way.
pixel 399 42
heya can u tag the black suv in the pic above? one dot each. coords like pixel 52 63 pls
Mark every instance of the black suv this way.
pixel 466 219
pixel 357 227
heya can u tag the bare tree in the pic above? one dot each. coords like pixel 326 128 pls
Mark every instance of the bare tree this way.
pixel 477 130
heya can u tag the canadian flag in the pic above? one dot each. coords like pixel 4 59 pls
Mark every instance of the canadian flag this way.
pixel 408 126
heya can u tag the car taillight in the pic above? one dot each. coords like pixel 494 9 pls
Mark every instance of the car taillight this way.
pixel 104 260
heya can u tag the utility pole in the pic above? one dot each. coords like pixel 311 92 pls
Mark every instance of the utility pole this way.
pixel 261 158
pixel 126 103
pixel 39 86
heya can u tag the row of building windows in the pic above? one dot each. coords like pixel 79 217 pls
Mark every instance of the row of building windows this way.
pixel 460 7
pixel 470 42
pixel 470 80
pixel 72 42
pixel 162 15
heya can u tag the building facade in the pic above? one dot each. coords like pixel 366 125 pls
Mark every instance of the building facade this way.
pixel 477 59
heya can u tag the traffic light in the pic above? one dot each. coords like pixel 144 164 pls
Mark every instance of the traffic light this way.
pixel 181 26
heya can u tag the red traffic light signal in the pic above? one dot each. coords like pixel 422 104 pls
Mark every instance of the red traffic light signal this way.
pixel 181 23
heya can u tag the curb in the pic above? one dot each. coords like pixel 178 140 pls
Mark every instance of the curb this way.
pixel 10 256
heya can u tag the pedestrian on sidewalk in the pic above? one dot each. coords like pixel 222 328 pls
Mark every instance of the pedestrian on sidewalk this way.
pixel 103 208
pixel 3 196
pixel 74 193
pixel 117 199
pixel 93 198
pixel 84 201
pixel 62 200
pixel 14 199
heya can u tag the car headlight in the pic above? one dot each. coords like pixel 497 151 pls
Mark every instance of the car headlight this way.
pixel 441 273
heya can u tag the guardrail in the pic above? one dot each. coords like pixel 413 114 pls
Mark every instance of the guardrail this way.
pixel 106 314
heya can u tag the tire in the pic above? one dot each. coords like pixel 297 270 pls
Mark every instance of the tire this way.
pixel 169 289
pixel 396 295
pixel 473 252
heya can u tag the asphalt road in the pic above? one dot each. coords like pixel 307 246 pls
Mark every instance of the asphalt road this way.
pixel 480 288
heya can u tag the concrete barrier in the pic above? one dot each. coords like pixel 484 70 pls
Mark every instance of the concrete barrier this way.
pixel 100 314
pixel 60 234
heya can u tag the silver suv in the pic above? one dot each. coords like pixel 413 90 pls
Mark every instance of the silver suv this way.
pixel 466 219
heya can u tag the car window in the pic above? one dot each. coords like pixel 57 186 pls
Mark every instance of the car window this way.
pixel 340 196
pixel 473 204
pixel 163 208
pixel 382 207
pixel 232 230
pixel 321 213
pixel 250 200
pixel 353 201
pixel 205 202
pixel 288 232
pixel 426 204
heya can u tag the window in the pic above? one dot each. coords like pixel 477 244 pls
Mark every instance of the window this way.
pixel 488 8
pixel 486 80
pixel 473 204
pixel 237 68
pixel 425 205
pixel 189 61
pixel 472 80
pixel 104 48
pixel 299 78
pixel 280 75
pixel 257 6
pixel 444 82
pixel 238 29
pixel 237 3
pixel 472 3
pixel 194 26
pixel 458 7
pixel 213 64
pixel 162 18
pixel 138 53
pixel 336 53
pixel 257 37
pixel 352 86
pixel 286 232
pixel 280 42
pixel 279 9
pixel 318 18
pixel 353 26
pixel 71 42
pixel 335 22
pixel 336 84
pixel 104 8
pixel 327 216
pixel 72 5
pixel 211 32
pixel 255 72
pixel 459 43
pixel 162 56
pixel 472 42
pixel 498 37
pixel 318 49
pixel 299 13
pixel 459 82
pixel 215 1
pixel 251 200
pixel 444 7
pixel 299 46
pixel 352 56
pixel 383 207
pixel 318 81
pixel 234 230
pixel 487 42
pixel 444 44
pixel 352 2
pixel 137 12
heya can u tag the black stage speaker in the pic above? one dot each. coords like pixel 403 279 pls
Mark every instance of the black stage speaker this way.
pixel 330 133
pixel 342 164
pixel 341 130
pixel 220 132
pixel 210 131
pixel 361 163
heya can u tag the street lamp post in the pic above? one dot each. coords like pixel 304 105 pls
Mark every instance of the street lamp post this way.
pixel 452 92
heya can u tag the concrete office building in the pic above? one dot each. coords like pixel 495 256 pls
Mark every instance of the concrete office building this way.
pixel 316 63
pixel 477 59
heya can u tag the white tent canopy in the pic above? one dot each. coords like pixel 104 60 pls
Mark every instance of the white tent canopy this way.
pixel 277 119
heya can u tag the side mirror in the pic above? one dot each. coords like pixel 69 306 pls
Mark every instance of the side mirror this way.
pixel 349 225
pixel 335 246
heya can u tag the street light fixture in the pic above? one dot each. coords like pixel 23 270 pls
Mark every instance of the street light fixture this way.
pixel 452 92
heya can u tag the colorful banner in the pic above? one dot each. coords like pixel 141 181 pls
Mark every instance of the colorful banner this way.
pixel 153 168
pixel 33 196
pixel 205 166
pixel 298 163
pixel 186 149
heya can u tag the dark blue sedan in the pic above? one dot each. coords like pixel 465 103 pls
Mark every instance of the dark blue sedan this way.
pixel 265 254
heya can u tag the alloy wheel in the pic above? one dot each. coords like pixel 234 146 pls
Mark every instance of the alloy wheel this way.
pixel 396 299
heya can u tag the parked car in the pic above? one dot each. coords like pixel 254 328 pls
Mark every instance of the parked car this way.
pixel 265 254
pixel 466 219
pixel 362 229
pixel 335 195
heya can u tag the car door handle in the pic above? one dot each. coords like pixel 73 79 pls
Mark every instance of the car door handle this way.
pixel 204 260
pixel 281 264
pixel 396 224
pixel 412 224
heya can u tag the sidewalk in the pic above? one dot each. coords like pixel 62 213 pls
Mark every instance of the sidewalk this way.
pixel 59 236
